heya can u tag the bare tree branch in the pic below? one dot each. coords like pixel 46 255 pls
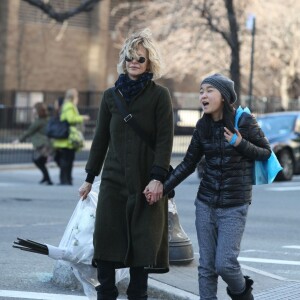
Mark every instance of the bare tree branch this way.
pixel 207 15
pixel 230 36
pixel 48 9
pixel 234 45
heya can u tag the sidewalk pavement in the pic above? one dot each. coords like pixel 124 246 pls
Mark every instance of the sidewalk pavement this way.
pixel 181 283
pixel 182 280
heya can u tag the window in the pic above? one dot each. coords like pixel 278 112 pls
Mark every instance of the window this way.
pixel 24 102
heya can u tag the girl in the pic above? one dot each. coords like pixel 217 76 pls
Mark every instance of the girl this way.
pixel 225 191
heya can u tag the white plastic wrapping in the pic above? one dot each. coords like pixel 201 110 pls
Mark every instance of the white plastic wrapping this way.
pixel 56 252
pixel 78 235
pixel 76 246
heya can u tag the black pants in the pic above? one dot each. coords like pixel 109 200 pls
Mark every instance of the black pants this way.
pixel 40 162
pixel 65 158
pixel 107 290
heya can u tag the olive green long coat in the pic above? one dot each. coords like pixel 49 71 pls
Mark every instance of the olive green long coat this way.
pixel 127 229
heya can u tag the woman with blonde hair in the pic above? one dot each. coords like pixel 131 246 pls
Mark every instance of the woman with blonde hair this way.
pixel 66 148
pixel 130 232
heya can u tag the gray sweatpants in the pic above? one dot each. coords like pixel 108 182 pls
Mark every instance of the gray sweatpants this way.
pixel 219 232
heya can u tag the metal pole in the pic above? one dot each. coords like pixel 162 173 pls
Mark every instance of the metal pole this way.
pixel 251 64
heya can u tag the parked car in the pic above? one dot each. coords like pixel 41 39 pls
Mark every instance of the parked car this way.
pixel 283 132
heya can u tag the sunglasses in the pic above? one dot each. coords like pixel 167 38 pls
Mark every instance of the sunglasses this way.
pixel 141 59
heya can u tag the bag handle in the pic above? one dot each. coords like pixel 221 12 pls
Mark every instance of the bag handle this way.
pixel 130 120
pixel 264 171
pixel 238 114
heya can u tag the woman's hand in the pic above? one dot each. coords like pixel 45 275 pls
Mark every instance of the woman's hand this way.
pixel 84 190
pixel 153 191
pixel 232 138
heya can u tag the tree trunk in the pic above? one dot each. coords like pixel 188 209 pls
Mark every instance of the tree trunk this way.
pixel 235 48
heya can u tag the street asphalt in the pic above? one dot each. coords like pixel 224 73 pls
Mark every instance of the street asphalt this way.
pixel 24 202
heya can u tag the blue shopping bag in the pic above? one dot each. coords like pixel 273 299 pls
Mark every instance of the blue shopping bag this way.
pixel 264 171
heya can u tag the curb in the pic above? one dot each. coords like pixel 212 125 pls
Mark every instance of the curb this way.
pixel 160 290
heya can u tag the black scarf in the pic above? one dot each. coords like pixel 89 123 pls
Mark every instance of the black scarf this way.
pixel 130 88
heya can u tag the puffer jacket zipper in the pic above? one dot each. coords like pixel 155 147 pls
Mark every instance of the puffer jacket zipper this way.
pixel 221 163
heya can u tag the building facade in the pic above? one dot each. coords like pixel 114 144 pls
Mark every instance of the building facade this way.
pixel 40 59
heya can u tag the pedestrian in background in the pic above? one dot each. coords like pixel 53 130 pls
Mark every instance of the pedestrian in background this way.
pixel 58 103
pixel 56 114
pixel 66 148
pixel 40 142
pixel 225 191
pixel 128 231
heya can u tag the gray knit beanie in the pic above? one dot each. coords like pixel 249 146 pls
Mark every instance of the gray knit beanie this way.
pixel 224 85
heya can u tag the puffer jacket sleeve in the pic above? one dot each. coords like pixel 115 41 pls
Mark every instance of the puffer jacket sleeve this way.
pixel 256 146
pixel 187 166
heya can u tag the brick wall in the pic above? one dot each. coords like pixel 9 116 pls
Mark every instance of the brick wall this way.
pixel 35 60
pixel 40 55
pixel 3 27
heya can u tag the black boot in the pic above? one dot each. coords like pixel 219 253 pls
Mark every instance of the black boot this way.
pixel 107 289
pixel 138 285
pixel 40 162
pixel 246 294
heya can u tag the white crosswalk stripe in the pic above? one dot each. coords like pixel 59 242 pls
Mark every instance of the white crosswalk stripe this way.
pixel 39 296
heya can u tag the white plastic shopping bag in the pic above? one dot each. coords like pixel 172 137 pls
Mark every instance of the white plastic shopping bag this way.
pixel 77 244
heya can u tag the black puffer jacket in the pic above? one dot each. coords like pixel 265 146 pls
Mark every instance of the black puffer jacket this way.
pixel 227 175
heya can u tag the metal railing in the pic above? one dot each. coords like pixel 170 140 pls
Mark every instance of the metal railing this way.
pixel 14 121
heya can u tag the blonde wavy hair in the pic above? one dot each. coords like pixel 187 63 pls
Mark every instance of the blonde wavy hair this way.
pixel 129 49
pixel 71 95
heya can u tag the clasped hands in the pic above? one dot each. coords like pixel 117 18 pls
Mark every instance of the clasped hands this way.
pixel 153 191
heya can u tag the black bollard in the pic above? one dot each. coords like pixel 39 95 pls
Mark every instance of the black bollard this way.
pixel 180 246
